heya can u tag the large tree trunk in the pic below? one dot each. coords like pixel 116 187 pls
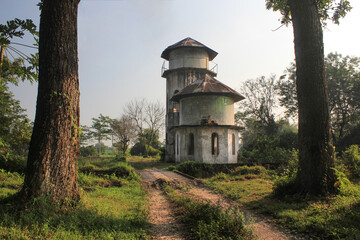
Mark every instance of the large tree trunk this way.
pixel 51 166
pixel 315 175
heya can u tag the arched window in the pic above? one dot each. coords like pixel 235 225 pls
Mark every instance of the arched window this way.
pixel 177 144
pixel 233 143
pixel 191 144
pixel 214 144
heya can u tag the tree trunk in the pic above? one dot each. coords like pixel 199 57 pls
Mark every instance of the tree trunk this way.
pixel 51 166
pixel 1 61
pixel 315 175
pixel 99 142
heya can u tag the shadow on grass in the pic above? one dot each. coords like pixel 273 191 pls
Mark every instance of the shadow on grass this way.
pixel 42 219
pixel 332 218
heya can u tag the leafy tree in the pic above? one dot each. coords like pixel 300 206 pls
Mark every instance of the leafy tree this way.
pixel 343 78
pixel 287 91
pixel 51 165
pixel 316 163
pixel 146 115
pixel 260 102
pixel 100 129
pixel 142 149
pixel 124 130
pixel 15 127
pixel 85 135
pixel 16 29
pixel 15 131
pixel 88 151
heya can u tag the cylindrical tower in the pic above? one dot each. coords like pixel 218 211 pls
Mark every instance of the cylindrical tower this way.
pixel 188 61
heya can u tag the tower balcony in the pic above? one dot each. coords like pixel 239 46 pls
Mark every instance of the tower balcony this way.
pixel 180 63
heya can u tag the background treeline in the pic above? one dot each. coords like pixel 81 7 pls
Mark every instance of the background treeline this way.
pixel 269 114
pixel 139 128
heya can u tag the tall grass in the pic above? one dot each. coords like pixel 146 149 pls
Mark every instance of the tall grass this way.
pixel 208 221
pixel 112 207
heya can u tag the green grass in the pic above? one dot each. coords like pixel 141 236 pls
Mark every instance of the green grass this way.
pixel 111 208
pixel 10 183
pixel 208 221
pixel 336 217
pixel 141 163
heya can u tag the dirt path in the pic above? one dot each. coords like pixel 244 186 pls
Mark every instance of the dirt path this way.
pixel 167 225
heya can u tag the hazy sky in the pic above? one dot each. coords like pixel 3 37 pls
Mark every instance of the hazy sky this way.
pixel 120 43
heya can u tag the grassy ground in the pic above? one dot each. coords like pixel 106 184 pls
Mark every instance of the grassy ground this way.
pixel 111 208
pixel 336 217
pixel 141 163
pixel 208 221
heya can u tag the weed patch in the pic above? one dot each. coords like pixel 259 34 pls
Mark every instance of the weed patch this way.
pixel 207 221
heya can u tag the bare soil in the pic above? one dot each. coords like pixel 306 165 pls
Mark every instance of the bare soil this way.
pixel 166 224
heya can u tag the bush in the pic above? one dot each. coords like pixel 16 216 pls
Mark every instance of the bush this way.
pixel 197 169
pixel 351 160
pixel 139 150
pixel 88 151
pixel 266 150
pixel 245 170
pixel 13 164
pixel 285 185
pixel 208 221
pixel 120 158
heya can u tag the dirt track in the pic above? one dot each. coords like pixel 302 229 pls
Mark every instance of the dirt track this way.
pixel 166 225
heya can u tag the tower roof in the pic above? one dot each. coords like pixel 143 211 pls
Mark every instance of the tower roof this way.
pixel 188 42
pixel 207 86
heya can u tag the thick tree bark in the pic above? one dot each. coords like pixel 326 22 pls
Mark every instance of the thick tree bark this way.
pixel 315 175
pixel 51 166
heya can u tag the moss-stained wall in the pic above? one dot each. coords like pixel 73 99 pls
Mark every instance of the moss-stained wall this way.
pixel 220 109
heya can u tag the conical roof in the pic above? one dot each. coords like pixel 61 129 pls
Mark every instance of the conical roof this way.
pixel 207 86
pixel 188 42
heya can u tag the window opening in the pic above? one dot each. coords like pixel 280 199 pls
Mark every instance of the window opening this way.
pixel 233 143
pixel 214 144
pixel 191 144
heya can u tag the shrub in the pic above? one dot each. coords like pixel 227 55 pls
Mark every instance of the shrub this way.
pixel 88 151
pixel 245 170
pixel 208 221
pixel 197 169
pixel 13 164
pixel 343 186
pixel 139 150
pixel 351 159
pixel 265 150
pixel 120 158
pixel 285 185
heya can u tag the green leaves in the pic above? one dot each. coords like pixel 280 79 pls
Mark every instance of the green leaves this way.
pixel 15 70
pixel 328 9
pixel 16 28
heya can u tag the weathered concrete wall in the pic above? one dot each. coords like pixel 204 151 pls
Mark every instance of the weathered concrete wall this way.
pixel 188 58
pixel 202 144
pixel 186 65
pixel 219 108
pixel 177 80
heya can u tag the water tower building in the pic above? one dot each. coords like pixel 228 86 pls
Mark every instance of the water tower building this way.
pixel 199 108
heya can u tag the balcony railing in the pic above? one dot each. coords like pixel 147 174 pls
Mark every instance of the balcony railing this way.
pixel 213 67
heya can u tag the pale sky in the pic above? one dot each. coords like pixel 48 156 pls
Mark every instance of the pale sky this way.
pixel 120 43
